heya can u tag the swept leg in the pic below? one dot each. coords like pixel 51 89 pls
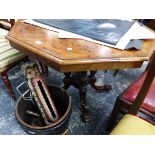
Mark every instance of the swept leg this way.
pixel 116 71
pixel 92 81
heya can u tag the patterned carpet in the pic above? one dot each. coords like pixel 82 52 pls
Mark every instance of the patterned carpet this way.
pixel 100 104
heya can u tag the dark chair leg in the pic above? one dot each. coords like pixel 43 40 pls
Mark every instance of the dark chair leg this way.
pixel 7 83
pixel 117 108
pixel 116 71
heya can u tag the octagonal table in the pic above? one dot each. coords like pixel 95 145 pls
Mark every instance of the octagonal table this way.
pixel 78 59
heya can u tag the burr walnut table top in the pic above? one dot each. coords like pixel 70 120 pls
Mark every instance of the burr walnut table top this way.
pixel 70 55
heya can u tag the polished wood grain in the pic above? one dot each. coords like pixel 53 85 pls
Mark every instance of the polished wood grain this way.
pixel 44 45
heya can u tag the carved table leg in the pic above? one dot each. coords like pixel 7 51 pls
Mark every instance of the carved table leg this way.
pixel 67 80
pixel 82 86
pixel 85 116
pixel 92 80
pixel 8 84
pixel 80 81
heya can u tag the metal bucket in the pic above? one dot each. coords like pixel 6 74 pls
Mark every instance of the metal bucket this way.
pixel 35 125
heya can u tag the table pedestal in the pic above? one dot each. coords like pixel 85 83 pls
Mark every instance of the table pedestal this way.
pixel 80 80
